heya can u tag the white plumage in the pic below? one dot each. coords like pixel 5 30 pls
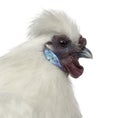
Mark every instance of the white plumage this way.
pixel 32 87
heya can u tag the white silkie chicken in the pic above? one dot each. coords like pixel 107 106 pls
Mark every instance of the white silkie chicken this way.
pixel 33 76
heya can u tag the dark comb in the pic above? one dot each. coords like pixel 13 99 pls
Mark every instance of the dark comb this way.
pixel 82 42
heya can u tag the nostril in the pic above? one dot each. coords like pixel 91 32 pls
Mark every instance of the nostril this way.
pixel 82 41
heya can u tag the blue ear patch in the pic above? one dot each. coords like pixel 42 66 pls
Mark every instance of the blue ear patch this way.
pixel 50 56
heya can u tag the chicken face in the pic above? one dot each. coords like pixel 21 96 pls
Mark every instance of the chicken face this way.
pixel 69 52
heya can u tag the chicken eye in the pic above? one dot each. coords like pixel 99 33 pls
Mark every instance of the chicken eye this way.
pixel 63 43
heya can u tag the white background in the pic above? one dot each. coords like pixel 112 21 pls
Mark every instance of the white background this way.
pixel 98 89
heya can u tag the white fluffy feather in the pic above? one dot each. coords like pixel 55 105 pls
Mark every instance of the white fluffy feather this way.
pixel 52 22
pixel 30 86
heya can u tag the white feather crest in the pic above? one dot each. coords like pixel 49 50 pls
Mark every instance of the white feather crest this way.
pixel 53 22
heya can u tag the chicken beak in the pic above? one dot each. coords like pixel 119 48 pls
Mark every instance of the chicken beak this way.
pixel 85 53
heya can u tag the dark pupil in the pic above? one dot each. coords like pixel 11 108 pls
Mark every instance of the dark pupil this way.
pixel 63 43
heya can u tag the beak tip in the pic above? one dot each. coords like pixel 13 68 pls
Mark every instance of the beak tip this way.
pixel 90 56
pixel 86 53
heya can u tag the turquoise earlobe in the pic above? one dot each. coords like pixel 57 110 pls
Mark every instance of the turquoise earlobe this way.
pixel 51 57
